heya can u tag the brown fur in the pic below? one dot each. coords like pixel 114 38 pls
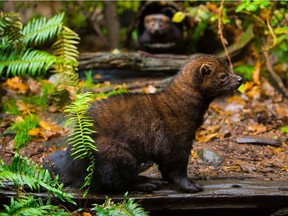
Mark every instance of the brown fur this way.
pixel 157 23
pixel 135 128
pixel 160 35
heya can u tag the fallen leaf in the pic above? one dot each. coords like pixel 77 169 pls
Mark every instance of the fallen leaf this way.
pixel 36 132
pixel 203 138
pixel 34 86
pixel 149 89
pixel 49 126
pixel 256 128
pixel 194 154
pixel 22 107
pixel 17 85
pixel 247 167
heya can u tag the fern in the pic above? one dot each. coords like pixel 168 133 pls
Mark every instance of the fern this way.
pixel 34 61
pixel 10 28
pixel 125 208
pixel 83 146
pixel 23 58
pixel 39 30
pixel 66 53
pixel 30 206
pixel 65 46
pixel 23 172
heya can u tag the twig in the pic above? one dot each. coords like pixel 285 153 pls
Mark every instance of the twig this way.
pixel 220 33
pixel 273 74
pixel 272 33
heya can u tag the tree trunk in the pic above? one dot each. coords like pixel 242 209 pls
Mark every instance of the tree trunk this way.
pixel 112 22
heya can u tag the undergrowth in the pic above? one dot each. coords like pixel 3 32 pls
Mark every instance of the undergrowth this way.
pixel 22 128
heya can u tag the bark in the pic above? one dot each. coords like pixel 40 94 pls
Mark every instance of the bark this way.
pixel 112 21
pixel 133 61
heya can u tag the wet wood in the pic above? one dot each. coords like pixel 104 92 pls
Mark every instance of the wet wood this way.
pixel 218 195
pixel 140 61
pixel 258 140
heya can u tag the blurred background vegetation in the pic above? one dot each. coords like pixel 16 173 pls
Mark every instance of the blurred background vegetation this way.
pixel 254 32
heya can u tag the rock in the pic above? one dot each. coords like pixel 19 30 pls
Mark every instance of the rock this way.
pixel 210 157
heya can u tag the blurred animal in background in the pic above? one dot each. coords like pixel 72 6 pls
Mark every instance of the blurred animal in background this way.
pixel 155 30
pixel 160 35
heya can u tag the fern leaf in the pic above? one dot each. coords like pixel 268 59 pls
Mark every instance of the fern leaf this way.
pixel 83 145
pixel 65 45
pixel 127 207
pixel 32 62
pixel 30 206
pixel 10 28
pixel 39 30
pixel 23 172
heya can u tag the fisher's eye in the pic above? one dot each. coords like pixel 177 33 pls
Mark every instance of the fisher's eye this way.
pixel 223 77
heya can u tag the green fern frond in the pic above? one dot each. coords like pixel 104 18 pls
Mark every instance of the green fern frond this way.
pixel 40 30
pixel 127 207
pixel 23 172
pixel 68 77
pixel 32 62
pixel 83 145
pixel 65 45
pixel 10 28
pixel 30 206
pixel 80 139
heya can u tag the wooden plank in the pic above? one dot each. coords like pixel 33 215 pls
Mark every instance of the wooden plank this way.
pixel 217 195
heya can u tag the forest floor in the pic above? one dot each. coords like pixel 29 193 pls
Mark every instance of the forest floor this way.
pixel 260 112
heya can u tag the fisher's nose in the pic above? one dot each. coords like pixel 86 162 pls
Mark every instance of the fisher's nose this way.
pixel 239 79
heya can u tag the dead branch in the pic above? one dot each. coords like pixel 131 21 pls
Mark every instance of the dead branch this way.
pixel 274 75
pixel 220 33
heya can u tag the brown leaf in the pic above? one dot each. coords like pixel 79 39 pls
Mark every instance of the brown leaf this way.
pixel 247 167
pixel 34 86
pixel 194 154
pixel 203 138
pixel 149 89
pixel 17 85
pixel 46 125
pixel 256 128
pixel 36 132
pixel 22 107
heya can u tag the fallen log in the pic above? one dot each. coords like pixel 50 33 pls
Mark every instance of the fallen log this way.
pixel 139 61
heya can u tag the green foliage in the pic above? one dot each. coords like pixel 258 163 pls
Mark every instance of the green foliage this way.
pixel 22 128
pixel 125 208
pixel 246 71
pixel 116 91
pixel 128 5
pixel 252 6
pixel 20 56
pixel 89 79
pixel 23 172
pixel 80 138
pixel 10 28
pixel 33 61
pixel 284 129
pixel 30 206
pixel 39 30
pixel 9 106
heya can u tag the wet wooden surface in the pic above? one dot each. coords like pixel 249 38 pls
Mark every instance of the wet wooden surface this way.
pixel 223 196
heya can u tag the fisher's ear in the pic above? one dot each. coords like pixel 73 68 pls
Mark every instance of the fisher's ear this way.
pixel 204 70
